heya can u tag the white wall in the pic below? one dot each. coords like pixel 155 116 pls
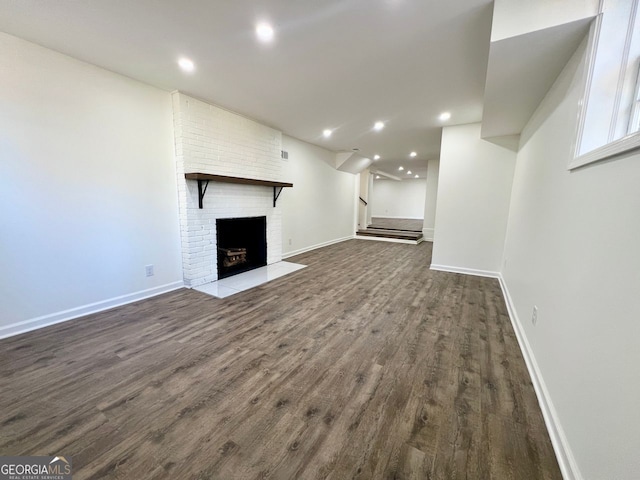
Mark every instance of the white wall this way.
pixel 572 249
pixel 474 189
pixel 369 205
pixel 394 199
pixel 320 208
pixel 430 201
pixel 365 188
pixel 87 188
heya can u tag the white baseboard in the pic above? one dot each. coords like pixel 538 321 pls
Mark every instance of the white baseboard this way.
pixel 564 455
pixel 293 253
pixel 65 315
pixel 427 233
pixel 402 218
pixel 465 271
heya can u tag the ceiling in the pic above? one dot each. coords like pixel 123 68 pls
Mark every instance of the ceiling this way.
pixel 337 64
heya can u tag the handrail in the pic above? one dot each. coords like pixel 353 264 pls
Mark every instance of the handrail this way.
pixel 363 201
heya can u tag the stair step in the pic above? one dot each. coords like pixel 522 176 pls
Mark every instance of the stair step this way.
pixel 399 234
pixel 381 227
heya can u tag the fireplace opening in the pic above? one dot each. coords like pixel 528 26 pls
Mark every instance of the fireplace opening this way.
pixel 242 244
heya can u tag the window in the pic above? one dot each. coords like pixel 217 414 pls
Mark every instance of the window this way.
pixel 609 119
pixel 634 124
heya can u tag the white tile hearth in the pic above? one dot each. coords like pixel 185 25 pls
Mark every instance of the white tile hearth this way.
pixel 247 280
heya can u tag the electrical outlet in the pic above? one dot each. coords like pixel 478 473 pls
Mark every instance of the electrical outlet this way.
pixel 149 270
pixel 534 315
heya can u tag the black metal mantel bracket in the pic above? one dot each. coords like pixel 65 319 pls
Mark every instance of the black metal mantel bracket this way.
pixel 202 191
pixel 276 195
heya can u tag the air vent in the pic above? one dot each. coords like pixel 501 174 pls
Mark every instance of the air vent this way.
pixel 284 154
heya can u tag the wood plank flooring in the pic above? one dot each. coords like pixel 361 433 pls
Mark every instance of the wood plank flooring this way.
pixel 365 365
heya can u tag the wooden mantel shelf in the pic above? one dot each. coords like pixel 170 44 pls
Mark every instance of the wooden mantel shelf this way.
pixel 243 181
pixel 206 177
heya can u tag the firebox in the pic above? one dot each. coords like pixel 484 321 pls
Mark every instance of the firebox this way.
pixel 242 244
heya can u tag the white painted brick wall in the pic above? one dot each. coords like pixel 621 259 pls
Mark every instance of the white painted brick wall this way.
pixel 209 139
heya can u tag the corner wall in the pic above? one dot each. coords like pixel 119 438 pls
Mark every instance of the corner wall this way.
pixel 430 201
pixel 474 190
pixel 87 188
pixel 572 250
pixel 320 209
pixel 365 192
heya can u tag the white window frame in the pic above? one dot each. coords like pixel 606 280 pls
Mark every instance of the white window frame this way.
pixel 634 124
pixel 612 148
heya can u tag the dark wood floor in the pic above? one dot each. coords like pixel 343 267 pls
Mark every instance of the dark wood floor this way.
pixel 364 365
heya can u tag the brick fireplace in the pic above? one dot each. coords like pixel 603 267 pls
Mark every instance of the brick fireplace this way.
pixel 212 140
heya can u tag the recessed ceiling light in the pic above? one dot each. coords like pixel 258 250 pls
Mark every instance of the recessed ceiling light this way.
pixel 413 154
pixel 186 65
pixel 444 116
pixel 417 176
pixel 326 133
pixel 409 172
pixel 265 32
pixel 377 176
pixel 378 126
pixel 376 157
pixel 401 168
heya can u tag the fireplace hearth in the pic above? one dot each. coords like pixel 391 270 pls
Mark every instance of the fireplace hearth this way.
pixel 242 244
